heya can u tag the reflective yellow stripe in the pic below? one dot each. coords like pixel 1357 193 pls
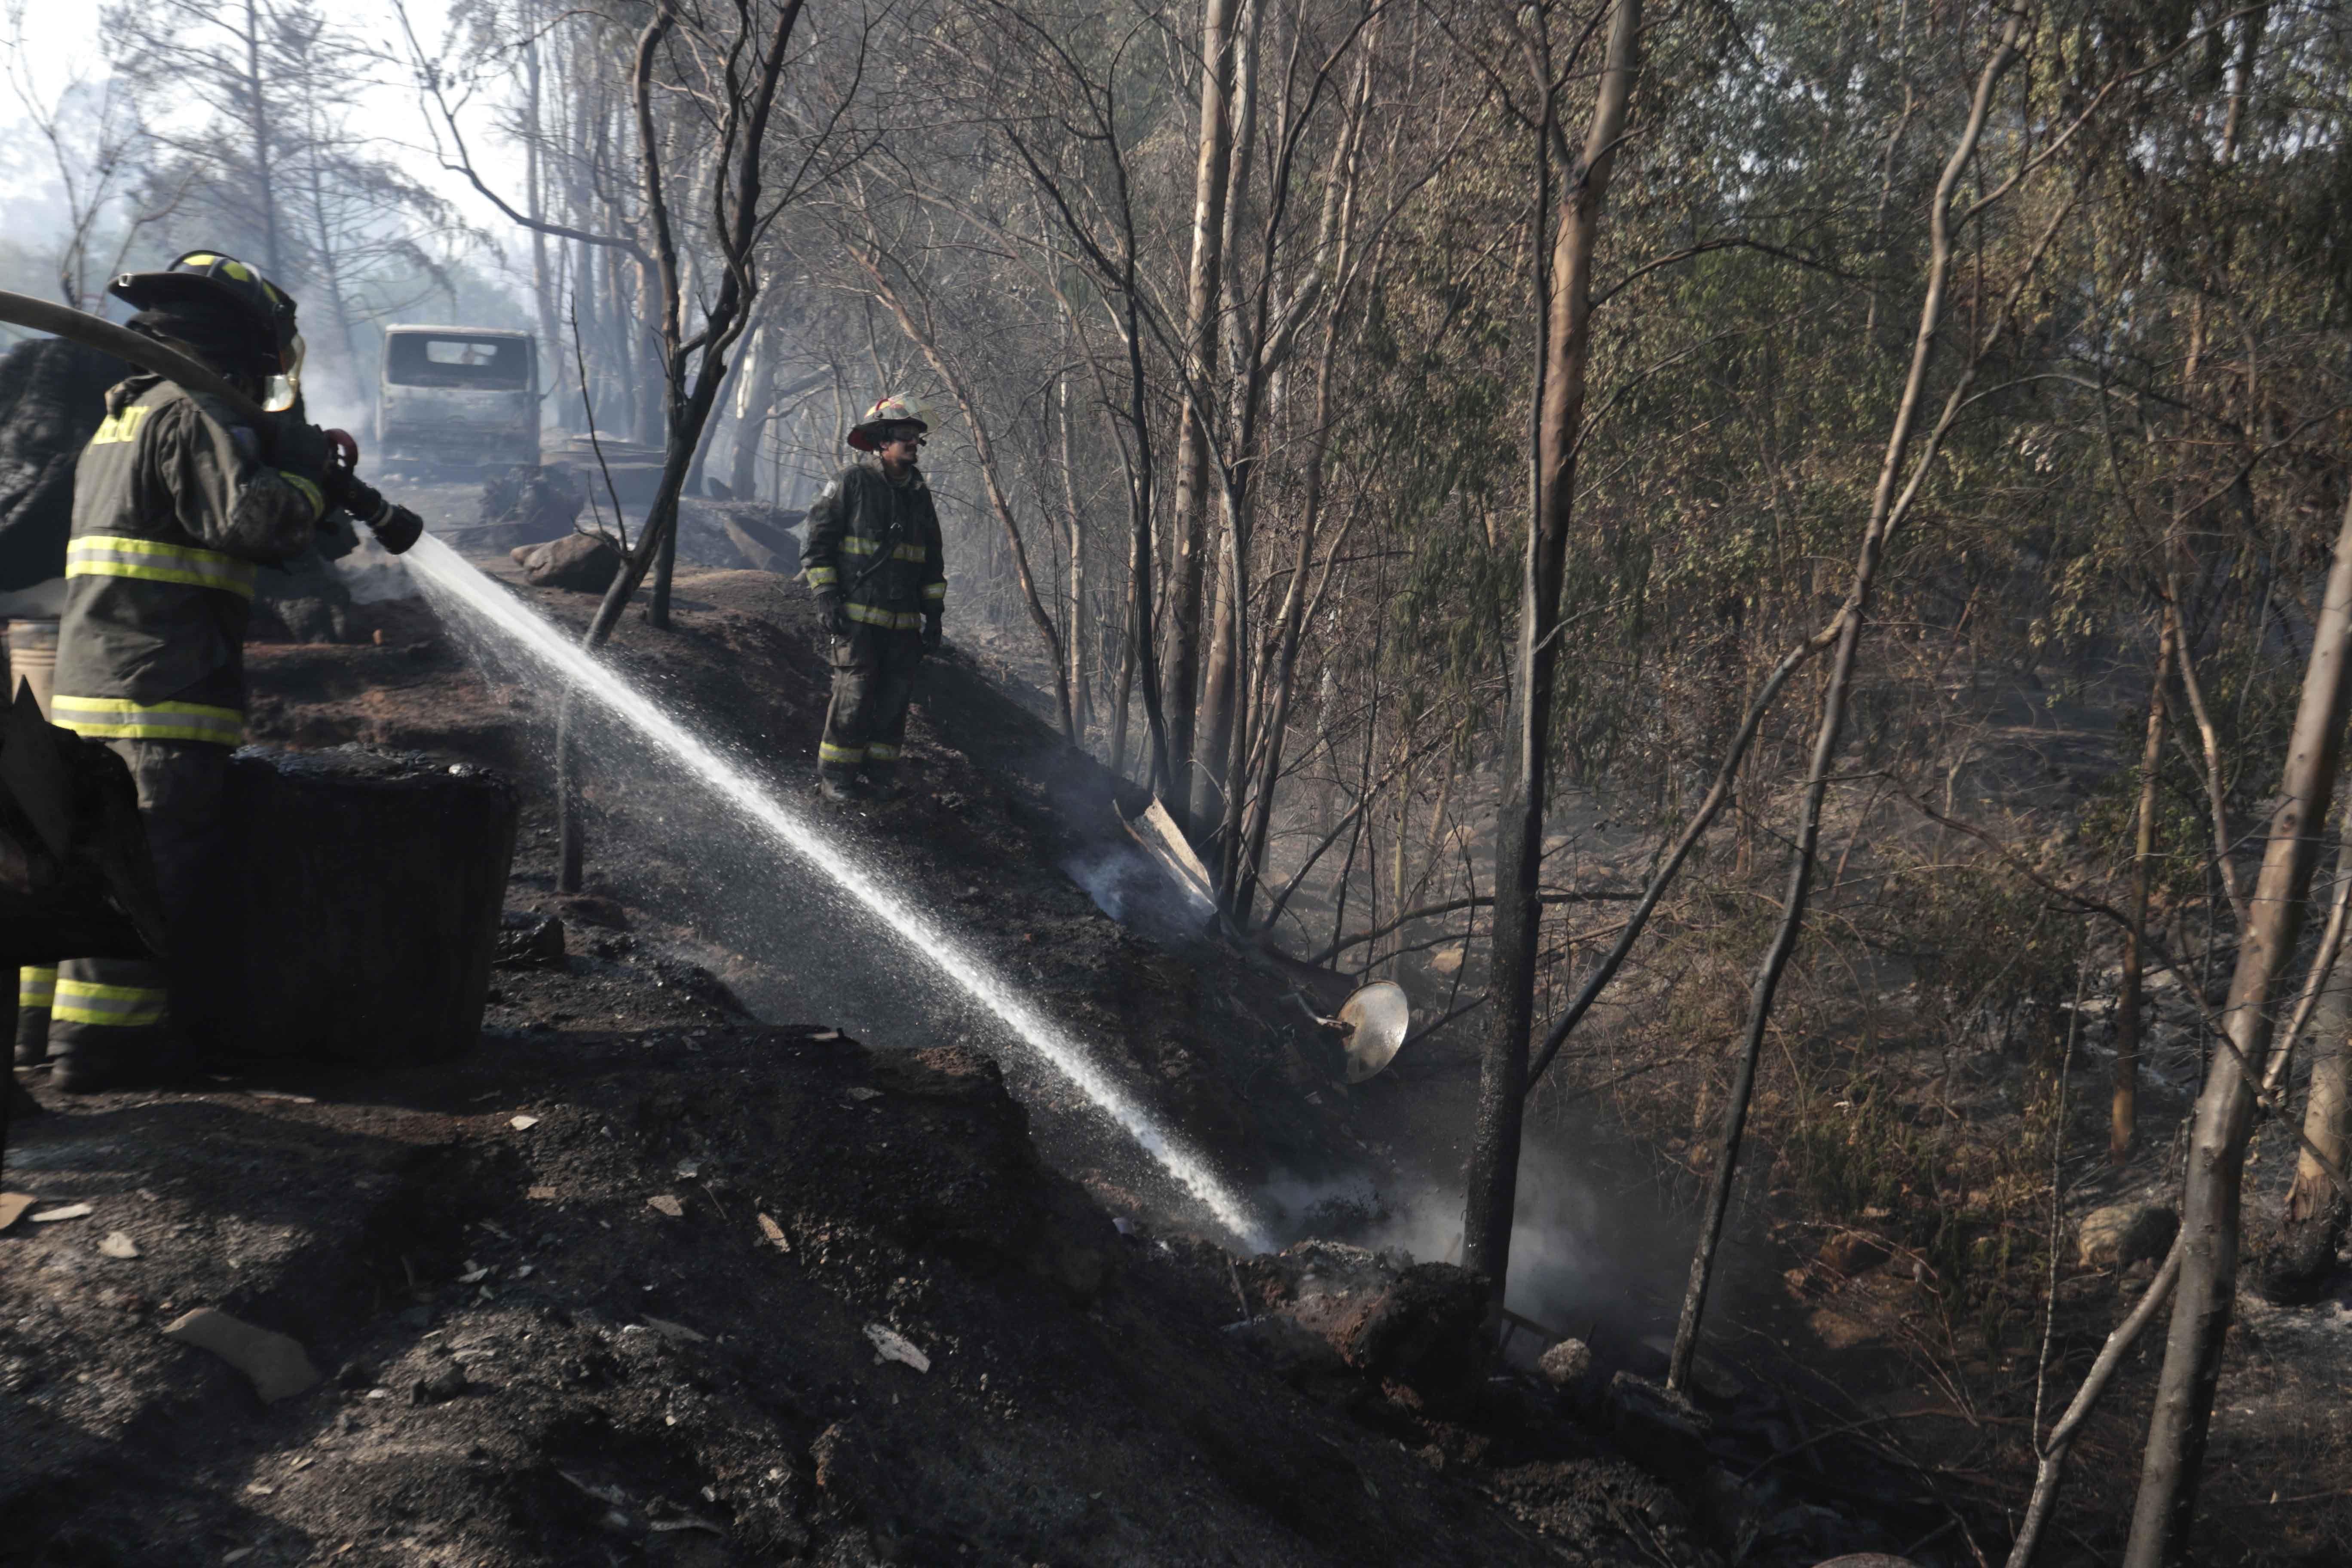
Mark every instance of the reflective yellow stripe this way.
pixel 116 429
pixel 895 620
pixel 935 591
pixel 114 555
pixel 881 752
pixel 823 576
pixel 123 1006
pixel 114 719
pixel 854 545
pixel 827 752
pixel 37 987
pixel 309 492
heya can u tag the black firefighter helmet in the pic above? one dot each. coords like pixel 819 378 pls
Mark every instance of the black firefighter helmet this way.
pixel 211 283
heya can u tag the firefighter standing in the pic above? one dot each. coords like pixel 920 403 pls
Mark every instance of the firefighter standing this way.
pixel 873 558
pixel 176 500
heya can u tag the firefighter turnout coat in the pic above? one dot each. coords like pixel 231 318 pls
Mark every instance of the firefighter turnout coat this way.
pixel 877 543
pixel 174 507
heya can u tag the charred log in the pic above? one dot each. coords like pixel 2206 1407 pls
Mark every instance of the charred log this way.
pixel 74 881
pixel 374 887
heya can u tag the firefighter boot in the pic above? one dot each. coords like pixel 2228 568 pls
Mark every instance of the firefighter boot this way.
pixel 87 1067
pixel 35 990
pixel 111 1027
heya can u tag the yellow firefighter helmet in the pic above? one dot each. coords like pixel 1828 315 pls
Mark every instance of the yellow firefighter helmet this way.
pixel 899 408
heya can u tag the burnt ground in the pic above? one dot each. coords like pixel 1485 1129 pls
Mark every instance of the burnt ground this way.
pixel 608 1287
pixel 530 1358
pixel 1893 1290
pixel 1892 1295
pixel 999 822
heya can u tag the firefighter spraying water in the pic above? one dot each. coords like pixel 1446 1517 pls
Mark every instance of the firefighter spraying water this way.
pixel 204 470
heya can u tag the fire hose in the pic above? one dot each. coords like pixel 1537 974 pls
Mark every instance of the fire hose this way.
pixel 395 526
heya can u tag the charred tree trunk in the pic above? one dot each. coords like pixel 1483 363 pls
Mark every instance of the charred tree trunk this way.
pixel 755 402
pixel 1492 1180
pixel 1278 684
pixel 2313 1216
pixel 1222 657
pixel 1074 644
pixel 1274 721
pixel 1203 312
pixel 257 111
pixel 2123 1121
pixel 693 370
pixel 2167 1504
pixel 1135 608
pixel 1140 663
pixel 543 285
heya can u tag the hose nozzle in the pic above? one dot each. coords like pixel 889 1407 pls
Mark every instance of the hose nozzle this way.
pixel 395 526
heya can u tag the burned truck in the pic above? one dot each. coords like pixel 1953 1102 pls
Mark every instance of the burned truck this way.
pixel 457 397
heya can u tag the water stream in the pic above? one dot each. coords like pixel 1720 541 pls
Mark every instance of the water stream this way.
pixel 454 585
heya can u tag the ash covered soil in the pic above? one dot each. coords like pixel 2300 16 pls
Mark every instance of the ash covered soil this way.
pixel 617 1285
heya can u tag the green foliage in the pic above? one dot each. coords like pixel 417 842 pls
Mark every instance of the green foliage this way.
pixel 1851 1152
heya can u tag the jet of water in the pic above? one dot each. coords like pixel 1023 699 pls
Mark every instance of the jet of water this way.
pixel 455 583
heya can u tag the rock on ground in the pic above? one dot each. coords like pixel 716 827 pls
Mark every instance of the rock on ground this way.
pixel 1416 1328
pixel 533 504
pixel 2121 1234
pixel 1566 1364
pixel 580 562
pixel 277 1364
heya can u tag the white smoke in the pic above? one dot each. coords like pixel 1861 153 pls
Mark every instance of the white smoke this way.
pixel 374 576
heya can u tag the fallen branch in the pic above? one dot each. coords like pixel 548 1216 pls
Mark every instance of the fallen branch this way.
pixel 2049 1466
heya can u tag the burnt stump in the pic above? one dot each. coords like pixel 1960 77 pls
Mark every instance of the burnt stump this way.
pixel 374 885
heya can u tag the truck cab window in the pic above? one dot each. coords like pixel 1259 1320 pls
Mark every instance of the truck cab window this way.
pixel 415 359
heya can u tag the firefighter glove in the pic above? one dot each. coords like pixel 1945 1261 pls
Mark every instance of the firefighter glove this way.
pixel 335 536
pixel 833 606
pixel 932 634
pixel 299 447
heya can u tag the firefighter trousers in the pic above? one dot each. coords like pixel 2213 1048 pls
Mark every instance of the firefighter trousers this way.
pixel 865 722
pixel 36 985
pixel 122 1013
